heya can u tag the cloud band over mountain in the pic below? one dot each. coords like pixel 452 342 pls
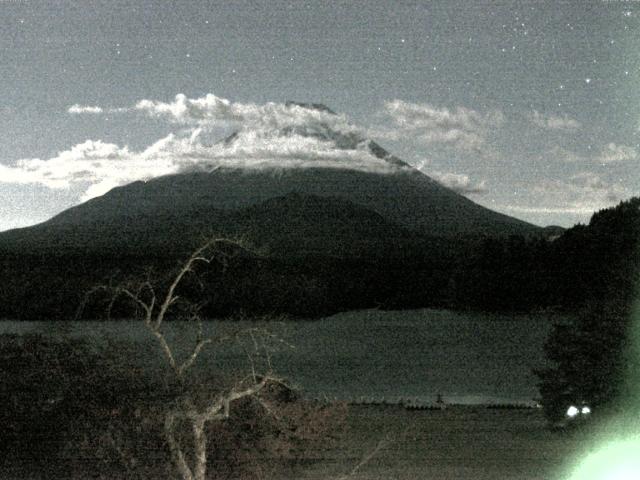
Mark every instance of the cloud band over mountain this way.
pixel 267 136
pixel 464 128
pixel 279 135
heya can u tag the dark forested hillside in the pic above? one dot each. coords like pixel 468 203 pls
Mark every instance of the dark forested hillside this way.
pixel 593 357
pixel 315 256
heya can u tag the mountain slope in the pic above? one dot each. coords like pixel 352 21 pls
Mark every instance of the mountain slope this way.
pixel 293 224
pixel 159 210
pixel 305 225
pixel 408 198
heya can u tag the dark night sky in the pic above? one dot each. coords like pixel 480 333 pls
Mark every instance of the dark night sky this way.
pixel 529 108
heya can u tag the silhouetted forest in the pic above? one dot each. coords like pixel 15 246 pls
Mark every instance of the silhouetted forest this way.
pixel 594 359
pixel 584 264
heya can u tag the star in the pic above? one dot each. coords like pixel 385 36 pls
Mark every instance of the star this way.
pixel 188 55
pixel 587 80
pixel 402 40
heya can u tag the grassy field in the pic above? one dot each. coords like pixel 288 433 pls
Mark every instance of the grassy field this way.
pixel 461 443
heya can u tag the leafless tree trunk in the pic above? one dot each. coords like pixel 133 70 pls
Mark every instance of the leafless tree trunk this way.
pixel 191 460
pixel 189 456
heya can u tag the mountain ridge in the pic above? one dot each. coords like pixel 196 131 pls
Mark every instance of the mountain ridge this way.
pixel 402 196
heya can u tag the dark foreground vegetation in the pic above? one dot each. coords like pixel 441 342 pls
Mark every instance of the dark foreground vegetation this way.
pixel 90 415
pixel 595 355
pixel 70 410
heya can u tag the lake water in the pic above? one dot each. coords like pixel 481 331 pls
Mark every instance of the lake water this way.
pixel 392 355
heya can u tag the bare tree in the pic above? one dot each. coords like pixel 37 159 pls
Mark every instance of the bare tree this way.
pixel 190 457
pixel 153 305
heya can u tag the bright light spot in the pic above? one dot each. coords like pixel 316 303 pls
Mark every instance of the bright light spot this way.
pixel 572 411
pixel 585 410
pixel 617 461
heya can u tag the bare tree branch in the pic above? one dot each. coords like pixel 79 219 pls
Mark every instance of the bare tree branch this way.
pixel 366 459
pixel 176 452
pixel 194 355
pixel 195 257
pixel 154 310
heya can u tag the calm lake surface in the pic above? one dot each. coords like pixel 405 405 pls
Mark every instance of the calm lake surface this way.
pixel 395 355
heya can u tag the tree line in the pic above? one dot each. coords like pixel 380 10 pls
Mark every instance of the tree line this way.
pixel 491 274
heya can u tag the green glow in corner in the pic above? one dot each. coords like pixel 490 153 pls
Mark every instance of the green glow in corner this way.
pixel 618 460
pixel 618 456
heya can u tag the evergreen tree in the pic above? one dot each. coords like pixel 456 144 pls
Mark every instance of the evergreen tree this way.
pixel 589 353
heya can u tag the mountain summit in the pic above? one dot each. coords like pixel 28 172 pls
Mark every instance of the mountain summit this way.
pixel 317 159
pixel 343 224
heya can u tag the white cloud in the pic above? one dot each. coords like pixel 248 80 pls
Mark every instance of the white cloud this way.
pixel 554 122
pixel 96 165
pixel 191 111
pixel 566 156
pixel 610 153
pixel 268 136
pixel 580 196
pixel 591 181
pixel 576 210
pixel 84 109
pixel 617 153
pixel 257 149
pixel 459 182
pixel 584 191
pixel 212 111
pixel 462 128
